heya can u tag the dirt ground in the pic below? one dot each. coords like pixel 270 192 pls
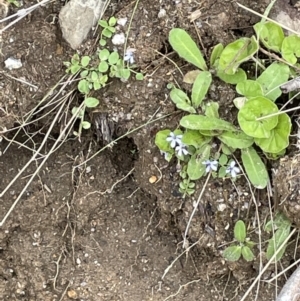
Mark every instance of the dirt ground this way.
pixel 100 230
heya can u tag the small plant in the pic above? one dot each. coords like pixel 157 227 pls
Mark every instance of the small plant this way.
pixel 260 122
pixel 16 3
pixel 281 226
pixel 242 247
pixel 94 71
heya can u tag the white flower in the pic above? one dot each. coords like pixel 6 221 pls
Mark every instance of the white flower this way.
pixel 211 165
pixel 232 169
pixel 129 57
pixel 174 139
pixel 181 150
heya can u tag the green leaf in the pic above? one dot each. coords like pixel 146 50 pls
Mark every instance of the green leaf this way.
pixel 270 34
pixel 75 68
pixel 196 168
pixel 226 150
pixel 290 50
pixel 103 23
pixel 255 168
pixel 279 137
pixel 83 86
pixel 199 122
pixel 236 53
pixel 236 139
pixel 75 59
pixel 107 32
pixel 276 241
pixel 94 76
pixel 223 159
pixel 249 88
pixel 84 73
pixel 253 109
pixel 247 253
pixel 103 67
pixel 181 100
pixel 215 55
pixel 272 78
pixel 112 21
pixel 85 60
pixel 113 58
pixel 139 76
pixel 194 138
pixel 102 42
pixel 79 113
pixel 85 124
pixel 91 102
pixel 239 102
pixel 104 54
pixel 186 48
pixel 124 73
pixel 161 141
pixel 232 253
pixel 233 79
pixel 279 221
pixel 211 109
pixel 240 231
pixel 200 88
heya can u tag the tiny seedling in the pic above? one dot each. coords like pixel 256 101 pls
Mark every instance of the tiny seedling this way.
pixel 242 247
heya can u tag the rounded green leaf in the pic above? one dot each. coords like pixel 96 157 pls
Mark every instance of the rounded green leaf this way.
pixel 232 253
pixel 85 124
pixel 102 42
pixel 161 141
pixel 255 168
pixel 249 88
pixel 279 137
pixel 91 102
pixel 291 49
pixel 240 231
pixel 113 58
pixel 103 67
pixel 200 122
pixel 247 253
pixel 85 60
pixel 186 48
pixel 103 23
pixel 139 76
pixel 83 86
pixel 112 21
pixel 270 34
pixel 211 109
pixel 236 139
pixel 253 109
pixel 104 54
pixel 194 138
pixel 200 88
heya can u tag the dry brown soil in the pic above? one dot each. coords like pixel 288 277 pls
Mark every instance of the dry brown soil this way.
pixel 101 230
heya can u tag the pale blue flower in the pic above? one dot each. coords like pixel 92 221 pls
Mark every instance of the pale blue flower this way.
pixel 174 139
pixel 181 149
pixel 211 165
pixel 232 169
pixel 129 57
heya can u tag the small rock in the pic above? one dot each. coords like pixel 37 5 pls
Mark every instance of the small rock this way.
pixel 12 63
pixel 118 39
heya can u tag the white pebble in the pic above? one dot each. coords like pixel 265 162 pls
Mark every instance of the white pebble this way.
pixel 118 39
pixel 122 21
pixel 12 63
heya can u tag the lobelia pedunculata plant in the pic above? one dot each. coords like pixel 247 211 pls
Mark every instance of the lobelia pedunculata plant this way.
pixel 260 122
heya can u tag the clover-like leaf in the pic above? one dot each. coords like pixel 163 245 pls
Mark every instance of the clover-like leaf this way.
pixel 249 88
pixel 249 114
pixel 233 79
pixel 291 49
pixel 91 102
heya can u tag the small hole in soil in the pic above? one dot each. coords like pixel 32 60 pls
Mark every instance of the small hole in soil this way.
pixel 123 155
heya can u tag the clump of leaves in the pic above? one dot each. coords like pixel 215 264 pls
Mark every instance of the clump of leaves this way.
pixel 261 123
pixel 242 247
pixel 94 71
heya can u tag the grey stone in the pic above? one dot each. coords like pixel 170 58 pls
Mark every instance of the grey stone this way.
pixel 77 18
